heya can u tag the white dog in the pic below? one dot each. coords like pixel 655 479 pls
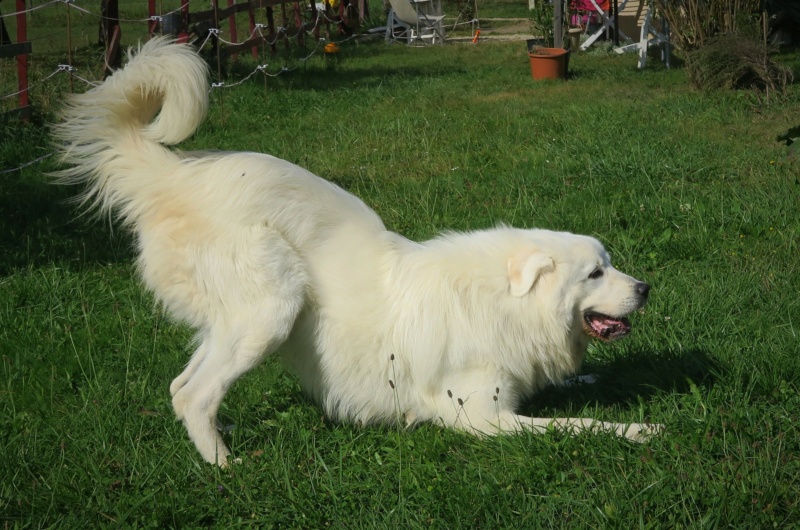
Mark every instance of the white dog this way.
pixel 262 256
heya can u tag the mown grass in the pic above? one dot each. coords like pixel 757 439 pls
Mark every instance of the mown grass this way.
pixel 689 191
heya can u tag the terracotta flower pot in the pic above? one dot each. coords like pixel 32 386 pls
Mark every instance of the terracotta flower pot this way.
pixel 548 63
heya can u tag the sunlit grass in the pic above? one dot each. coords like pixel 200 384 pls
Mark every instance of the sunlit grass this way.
pixel 689 191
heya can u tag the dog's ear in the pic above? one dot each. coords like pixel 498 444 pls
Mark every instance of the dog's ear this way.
pixel 525 268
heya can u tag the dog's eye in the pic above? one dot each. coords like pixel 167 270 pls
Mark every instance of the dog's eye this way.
pixel 597 273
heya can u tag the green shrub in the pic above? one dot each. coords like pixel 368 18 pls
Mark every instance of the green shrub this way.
pixel 736 62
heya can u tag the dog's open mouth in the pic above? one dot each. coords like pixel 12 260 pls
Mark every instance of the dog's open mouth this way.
pixel 605 327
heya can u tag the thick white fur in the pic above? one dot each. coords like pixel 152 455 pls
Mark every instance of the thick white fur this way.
pixel 261 256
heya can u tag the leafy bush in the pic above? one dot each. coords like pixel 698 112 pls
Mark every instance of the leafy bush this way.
pixel 542 22
pixel 736 62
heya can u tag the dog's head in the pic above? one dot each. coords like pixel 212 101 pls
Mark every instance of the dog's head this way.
pixel 574 273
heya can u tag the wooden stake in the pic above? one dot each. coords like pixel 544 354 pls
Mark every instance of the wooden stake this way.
pixel 558 24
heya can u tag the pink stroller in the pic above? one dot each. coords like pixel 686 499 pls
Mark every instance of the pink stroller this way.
pixel 585 12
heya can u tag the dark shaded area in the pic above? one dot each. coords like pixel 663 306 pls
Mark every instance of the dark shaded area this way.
pixel 625 380
pixel 789 139
pixel 304 77
pixel 38 227
pixel 784 21
pixel 39 224
pixel 790 136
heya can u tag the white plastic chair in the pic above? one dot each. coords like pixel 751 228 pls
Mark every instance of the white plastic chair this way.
pixel 415 20
pixel 650 36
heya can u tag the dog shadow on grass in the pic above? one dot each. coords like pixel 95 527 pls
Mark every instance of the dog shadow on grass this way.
pixel 625 380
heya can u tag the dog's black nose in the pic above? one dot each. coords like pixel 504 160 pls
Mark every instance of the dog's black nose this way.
pixel 643 289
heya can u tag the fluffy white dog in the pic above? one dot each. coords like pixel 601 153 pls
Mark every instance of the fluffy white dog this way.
pixel 261 256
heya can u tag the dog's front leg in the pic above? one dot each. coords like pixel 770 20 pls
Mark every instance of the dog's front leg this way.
pixel 636 432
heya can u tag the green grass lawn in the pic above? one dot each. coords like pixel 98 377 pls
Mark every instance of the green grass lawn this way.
pixel 690 192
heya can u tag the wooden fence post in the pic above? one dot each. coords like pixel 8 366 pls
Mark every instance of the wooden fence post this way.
pixel 152 23
pixel 232 27
pixel 22 60
pixel 558 23
pixel 19 50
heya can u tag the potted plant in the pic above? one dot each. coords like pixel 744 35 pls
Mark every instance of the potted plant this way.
pixel 547 62
pixel 542 25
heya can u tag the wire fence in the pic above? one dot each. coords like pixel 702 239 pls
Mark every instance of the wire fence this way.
pixel 63 54
pixel 61 31
pixel 61 44
pixel 68 52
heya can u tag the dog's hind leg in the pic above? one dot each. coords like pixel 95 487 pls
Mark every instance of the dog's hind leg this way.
pixel 191 368
pixel 257 297
pixel 232 349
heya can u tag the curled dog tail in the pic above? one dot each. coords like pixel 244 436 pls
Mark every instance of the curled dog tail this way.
pixel 111 134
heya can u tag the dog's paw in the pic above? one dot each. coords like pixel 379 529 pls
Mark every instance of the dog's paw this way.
pixel 227 463
pixel 642 432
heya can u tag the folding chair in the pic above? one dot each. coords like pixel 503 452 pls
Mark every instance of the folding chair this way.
pixel 415 20
pixel 650 36
pixel 601 8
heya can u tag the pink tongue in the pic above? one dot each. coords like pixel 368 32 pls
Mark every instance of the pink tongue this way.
pixel 603 323
pixel 605 326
